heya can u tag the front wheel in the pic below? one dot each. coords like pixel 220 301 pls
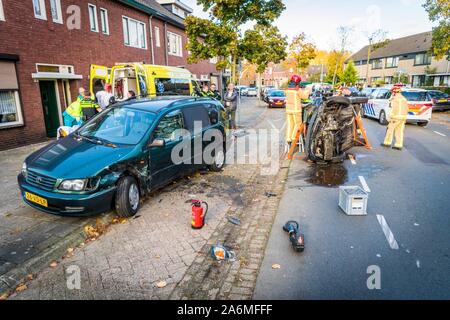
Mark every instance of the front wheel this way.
pixel 383 119
pixel 219 161
pixel 127 197
pixel 422 124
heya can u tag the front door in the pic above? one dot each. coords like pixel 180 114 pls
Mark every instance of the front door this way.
pixel 50 107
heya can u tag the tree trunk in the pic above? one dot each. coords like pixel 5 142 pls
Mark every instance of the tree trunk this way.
pixel 369 52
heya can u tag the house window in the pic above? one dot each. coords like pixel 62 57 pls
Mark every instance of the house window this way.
pixel 2 13
pixel 174 44
pixel 377 64
pixel 134 33
pixel 39 9
pixel 418 81
pixel 157 37
pixel 93 17
pixel 105 21
pixel 392 62
pixel 389 80
pixel 422 59
pixel 10 109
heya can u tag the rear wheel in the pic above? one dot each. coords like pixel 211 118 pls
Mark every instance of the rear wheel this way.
pixel 383 119
pixel 127 197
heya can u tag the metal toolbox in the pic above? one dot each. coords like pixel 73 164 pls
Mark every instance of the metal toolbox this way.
pixel 353 200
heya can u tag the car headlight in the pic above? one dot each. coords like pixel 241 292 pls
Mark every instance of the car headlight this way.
pixel 73 185
pixel 24 170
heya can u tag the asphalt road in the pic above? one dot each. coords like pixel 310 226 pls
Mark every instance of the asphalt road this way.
pixel 409 189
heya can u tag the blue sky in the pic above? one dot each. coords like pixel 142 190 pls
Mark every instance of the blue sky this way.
pixel 319 19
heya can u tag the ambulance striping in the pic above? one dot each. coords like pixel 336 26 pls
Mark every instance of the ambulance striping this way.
pixel 364 184
pixel 387 232
pixel 441 134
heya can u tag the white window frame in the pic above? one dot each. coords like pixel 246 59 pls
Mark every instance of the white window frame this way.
pixel 2 12
pixel 58 11
pixel 127 35
pixel 43 15
pixel 157 37
pixel 19 121
pixel 91 6
pixel 395 62
pixel 104 18
pixel 179 44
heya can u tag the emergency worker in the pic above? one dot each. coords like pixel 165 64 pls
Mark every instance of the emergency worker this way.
pixel 397 119
pixel 294 97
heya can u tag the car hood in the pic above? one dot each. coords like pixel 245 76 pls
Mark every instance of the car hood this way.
pixel 72 158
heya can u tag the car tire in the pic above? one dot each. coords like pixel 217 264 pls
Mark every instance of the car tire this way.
pixel 219 161
pixel 422 124
pixel 383 120
pixel 127 197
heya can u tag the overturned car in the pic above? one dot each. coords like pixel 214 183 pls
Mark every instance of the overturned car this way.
pixel 331 127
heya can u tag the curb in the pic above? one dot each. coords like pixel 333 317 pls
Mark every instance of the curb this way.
pixel 10 280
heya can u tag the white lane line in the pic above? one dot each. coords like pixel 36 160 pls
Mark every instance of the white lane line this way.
pixel 364 184
pixel 352 159
pixel 284 126
pixel 271 124
pixel 441 134
pixel 387 232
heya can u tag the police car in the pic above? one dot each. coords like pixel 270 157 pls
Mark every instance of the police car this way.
pixel 420 106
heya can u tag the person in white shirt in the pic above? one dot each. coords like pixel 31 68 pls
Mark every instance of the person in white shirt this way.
pixel 104 96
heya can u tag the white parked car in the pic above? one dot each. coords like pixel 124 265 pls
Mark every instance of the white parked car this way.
pixel 420 106
pixel 252 92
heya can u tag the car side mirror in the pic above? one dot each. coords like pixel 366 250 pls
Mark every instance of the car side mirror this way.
pixel 158 143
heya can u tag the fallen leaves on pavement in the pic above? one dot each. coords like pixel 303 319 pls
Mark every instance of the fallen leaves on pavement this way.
pixel 3 297
pixel 54 264
pixel 276 266
pixel 161 284
pixel 21 288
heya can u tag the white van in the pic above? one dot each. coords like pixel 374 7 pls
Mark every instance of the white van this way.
pixel 420 106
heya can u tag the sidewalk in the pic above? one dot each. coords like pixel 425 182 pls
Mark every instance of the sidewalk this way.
pixel 29 238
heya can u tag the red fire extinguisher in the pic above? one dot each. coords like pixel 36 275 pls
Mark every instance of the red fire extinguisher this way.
pixel 198 216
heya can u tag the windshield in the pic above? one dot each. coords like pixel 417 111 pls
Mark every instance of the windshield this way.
pixel 277 94
pixel 415 96
pixel 118 126
pixel 438 94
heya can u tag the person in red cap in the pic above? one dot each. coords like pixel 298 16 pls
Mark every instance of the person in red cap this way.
pixel 104 96
pixel 397 119
pixel 294 97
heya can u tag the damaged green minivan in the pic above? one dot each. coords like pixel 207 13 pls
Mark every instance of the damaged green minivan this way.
pixel 124 153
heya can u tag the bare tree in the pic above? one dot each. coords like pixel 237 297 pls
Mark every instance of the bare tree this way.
pixel 344 33
pixel 377 40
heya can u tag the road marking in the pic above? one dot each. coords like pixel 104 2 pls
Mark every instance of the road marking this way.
pixel 352 159
pixel 364 184
pixel 441 134
pixel 418 264
pixel 387 232
pixel 271 124
pixel 284 126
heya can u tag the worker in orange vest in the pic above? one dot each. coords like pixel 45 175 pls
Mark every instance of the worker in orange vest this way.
pixel 294 97
pixel 397 119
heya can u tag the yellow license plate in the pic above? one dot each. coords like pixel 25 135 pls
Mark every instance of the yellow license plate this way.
pixel 443 101
pixel 36 199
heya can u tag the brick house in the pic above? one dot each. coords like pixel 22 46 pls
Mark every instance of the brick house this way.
pixel 45 56
pixel 408 56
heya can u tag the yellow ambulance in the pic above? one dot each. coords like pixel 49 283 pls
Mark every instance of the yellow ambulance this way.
pixel 143 79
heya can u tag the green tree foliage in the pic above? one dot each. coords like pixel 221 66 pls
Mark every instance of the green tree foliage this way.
pixel 336 61
pixel 221 36
pixel 263 45
pixel 439 11
pixel 350 74
pixel 400 77
pixel 302 52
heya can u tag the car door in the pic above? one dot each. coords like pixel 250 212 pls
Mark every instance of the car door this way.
pixel 163 166
pixel 197 121
pixel 98 77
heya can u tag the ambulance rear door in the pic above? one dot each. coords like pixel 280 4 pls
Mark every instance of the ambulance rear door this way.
pixel 141 78
pixel 98 78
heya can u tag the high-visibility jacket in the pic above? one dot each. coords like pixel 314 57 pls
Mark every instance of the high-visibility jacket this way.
pixel 88 108
pixel 399 107
pixel 74 109
pixel 294 99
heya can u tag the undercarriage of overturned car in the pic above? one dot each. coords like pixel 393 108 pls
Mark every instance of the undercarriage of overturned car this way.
pixel 331 127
